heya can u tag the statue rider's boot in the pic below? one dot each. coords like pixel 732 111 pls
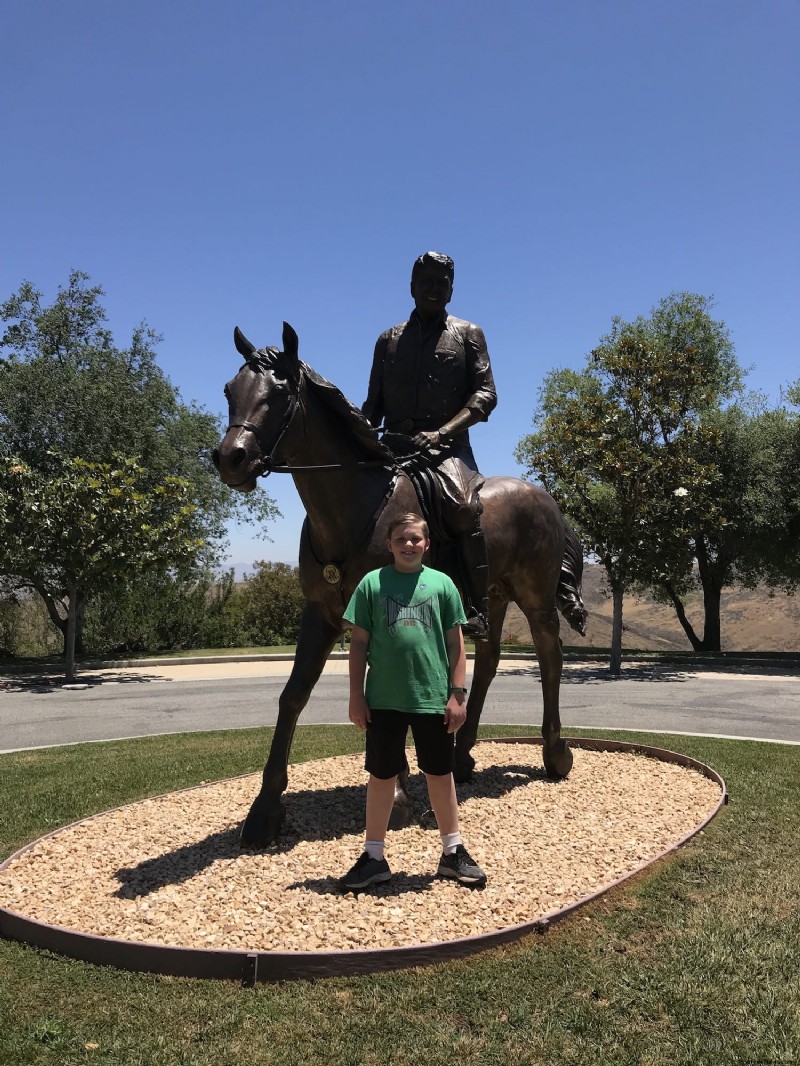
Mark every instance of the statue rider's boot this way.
pixel 474 567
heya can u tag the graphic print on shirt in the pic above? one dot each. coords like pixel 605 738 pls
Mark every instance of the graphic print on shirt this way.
pixel 397 613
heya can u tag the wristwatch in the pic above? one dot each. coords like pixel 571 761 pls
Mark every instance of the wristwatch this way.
pixel 458 688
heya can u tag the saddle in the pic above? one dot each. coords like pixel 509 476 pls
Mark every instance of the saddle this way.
pixel 421 472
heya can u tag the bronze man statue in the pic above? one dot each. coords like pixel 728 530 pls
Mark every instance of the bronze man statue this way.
pixel 431 380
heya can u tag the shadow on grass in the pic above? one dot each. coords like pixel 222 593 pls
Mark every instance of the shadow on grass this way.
pixel 319 814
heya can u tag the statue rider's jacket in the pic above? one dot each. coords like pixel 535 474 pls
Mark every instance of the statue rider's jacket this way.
pixel 425 373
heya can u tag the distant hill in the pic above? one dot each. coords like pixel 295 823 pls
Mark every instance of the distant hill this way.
pixel 751 620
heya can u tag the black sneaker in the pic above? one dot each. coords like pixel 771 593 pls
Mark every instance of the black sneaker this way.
pixel 462 867
pixel 366 872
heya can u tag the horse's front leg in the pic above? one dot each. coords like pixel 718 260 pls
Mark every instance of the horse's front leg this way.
pixel 556 752
pixel 487 656
pixel 265 818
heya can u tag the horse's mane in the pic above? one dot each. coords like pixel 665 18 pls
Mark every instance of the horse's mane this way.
pixel 353 421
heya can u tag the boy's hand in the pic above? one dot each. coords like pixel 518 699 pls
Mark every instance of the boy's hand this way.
pixel 455 713
pixel 359 712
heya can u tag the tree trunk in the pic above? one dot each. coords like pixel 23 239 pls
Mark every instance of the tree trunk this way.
pixel 52 610
pixel 711 578
pixel 62 622
pixel 615 666
pixel 69 636
pixel 712 634
pixel 694 640
pixel 79 616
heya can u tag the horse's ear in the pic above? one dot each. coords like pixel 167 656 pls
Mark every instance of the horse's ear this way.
pixel 243 346
pixel 290 341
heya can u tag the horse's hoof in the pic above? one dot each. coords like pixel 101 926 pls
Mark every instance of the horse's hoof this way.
pixel 401 817
pixel 261 827
pixel 557 759
pixel 462 771
pixel 427 820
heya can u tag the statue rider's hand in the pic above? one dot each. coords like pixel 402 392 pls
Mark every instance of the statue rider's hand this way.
pixel 427 440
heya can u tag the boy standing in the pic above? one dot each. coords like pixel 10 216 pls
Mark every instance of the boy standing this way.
pixel 406 622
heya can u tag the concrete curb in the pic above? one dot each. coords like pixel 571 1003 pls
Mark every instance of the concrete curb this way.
pixel 570 656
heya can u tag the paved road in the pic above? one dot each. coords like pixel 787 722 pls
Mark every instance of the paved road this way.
pixel 152 700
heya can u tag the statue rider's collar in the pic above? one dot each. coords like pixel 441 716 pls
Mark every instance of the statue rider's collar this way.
pixel 428 324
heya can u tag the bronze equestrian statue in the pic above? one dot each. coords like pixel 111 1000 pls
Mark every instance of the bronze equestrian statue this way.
pixel 284 417
pixel 431 380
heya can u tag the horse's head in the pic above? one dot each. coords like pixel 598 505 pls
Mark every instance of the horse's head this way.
pixel 262 399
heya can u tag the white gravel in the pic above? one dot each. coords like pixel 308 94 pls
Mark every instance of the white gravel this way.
pixel 168 870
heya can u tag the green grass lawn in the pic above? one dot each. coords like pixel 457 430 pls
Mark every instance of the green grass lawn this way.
pixel 697 961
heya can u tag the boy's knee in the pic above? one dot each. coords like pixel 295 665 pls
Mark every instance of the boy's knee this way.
pixel 438 777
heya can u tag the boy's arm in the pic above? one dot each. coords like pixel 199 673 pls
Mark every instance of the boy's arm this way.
pixel 359 645
pixel 455 713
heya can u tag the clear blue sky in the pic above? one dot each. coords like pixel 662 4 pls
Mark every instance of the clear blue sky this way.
pixel 215 164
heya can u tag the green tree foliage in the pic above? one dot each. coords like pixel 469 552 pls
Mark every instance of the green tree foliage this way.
pixel 164 611
pixel 272 604
pixel 9 613
pixel 88 527
pixel 67 392
pixel 748 533
pixel 624 447
pixel 25 626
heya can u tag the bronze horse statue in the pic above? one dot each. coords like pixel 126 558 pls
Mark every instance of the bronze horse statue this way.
pixel 285 417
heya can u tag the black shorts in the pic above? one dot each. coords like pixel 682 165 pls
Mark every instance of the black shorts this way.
pixel 386 743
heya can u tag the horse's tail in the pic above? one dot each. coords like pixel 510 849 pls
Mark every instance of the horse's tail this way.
pixel 568 593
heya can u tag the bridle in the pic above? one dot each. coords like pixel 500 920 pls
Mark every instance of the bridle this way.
pixel 268 465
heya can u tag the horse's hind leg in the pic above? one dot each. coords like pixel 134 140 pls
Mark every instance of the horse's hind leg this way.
pixel 265 818
pixel 544 630
pixel 487 656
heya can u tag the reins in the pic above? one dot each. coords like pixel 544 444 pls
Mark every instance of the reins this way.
pixel 270 467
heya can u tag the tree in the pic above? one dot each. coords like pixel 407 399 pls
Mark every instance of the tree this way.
pixel 67 392
pixel 750 534
pixel 273 603
pixel 623 446
pixel 89 527
pixel 165 610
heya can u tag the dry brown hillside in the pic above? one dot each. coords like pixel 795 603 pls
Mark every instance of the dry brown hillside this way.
pixel 751 621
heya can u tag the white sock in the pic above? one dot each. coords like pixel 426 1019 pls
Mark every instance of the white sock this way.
pixel 374 848
pixel 450 842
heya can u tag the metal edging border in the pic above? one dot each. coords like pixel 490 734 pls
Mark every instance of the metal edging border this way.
pixel 250 967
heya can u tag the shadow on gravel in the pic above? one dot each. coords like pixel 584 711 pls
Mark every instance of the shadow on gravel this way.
pixel 400 885
pixel 319 814
pixel 175 867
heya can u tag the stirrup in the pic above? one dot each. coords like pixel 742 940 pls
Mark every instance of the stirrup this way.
pixel 476 626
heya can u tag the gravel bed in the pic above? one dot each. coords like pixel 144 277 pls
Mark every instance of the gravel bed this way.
pixel 169 871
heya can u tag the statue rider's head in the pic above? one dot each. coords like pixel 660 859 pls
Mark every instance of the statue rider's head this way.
pixel 432 283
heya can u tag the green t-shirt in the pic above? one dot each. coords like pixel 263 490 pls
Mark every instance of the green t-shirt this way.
pixel 406 616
